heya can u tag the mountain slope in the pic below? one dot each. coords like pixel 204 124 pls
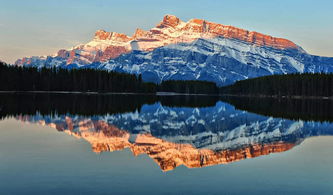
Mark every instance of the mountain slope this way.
pixel 221 60
pixel 196 49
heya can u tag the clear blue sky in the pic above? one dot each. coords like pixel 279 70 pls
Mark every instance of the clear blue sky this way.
pixel 40 27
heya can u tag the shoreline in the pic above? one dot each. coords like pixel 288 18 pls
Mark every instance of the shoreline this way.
pixel 167 94
pixel 106 93
pixel 280 97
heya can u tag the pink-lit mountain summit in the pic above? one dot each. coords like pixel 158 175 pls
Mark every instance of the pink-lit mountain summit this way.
pixel 192 50
pixel 171 30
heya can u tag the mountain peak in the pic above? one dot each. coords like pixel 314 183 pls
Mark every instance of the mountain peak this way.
pixel 139 33
pixel 170 20
pixel 102 34
pixel 171 30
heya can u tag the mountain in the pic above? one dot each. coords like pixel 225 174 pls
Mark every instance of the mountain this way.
pixel 194 137
pixel 193 50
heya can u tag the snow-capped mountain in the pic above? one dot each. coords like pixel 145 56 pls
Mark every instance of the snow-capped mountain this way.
pixel 194 137
pixel 219 59
pixel 193 50
pixel 219 127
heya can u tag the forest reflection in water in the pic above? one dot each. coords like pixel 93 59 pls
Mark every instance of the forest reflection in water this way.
pixel 194 131
pixel 13 104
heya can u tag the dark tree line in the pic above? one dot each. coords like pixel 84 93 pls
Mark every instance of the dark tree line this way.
pixel 14 78
pixel 307 84
pixel 17 104
pixel 287 108
pixel 189 101
pixel 21 104
pixel 190 87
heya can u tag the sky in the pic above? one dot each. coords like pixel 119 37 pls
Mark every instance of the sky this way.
pixel 42 27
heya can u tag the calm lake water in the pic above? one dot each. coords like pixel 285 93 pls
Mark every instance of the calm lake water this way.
pixel 135 144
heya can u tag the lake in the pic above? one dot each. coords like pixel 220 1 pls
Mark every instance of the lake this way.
pixel 170 144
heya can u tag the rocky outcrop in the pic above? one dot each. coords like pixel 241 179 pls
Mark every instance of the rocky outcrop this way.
pixel 169 21
pixel 103 35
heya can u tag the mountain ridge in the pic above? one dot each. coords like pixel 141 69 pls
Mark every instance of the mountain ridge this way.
pixel 109 45
pixel 192 50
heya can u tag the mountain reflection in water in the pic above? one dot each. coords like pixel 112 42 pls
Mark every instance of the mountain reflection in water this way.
pixel 194 131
